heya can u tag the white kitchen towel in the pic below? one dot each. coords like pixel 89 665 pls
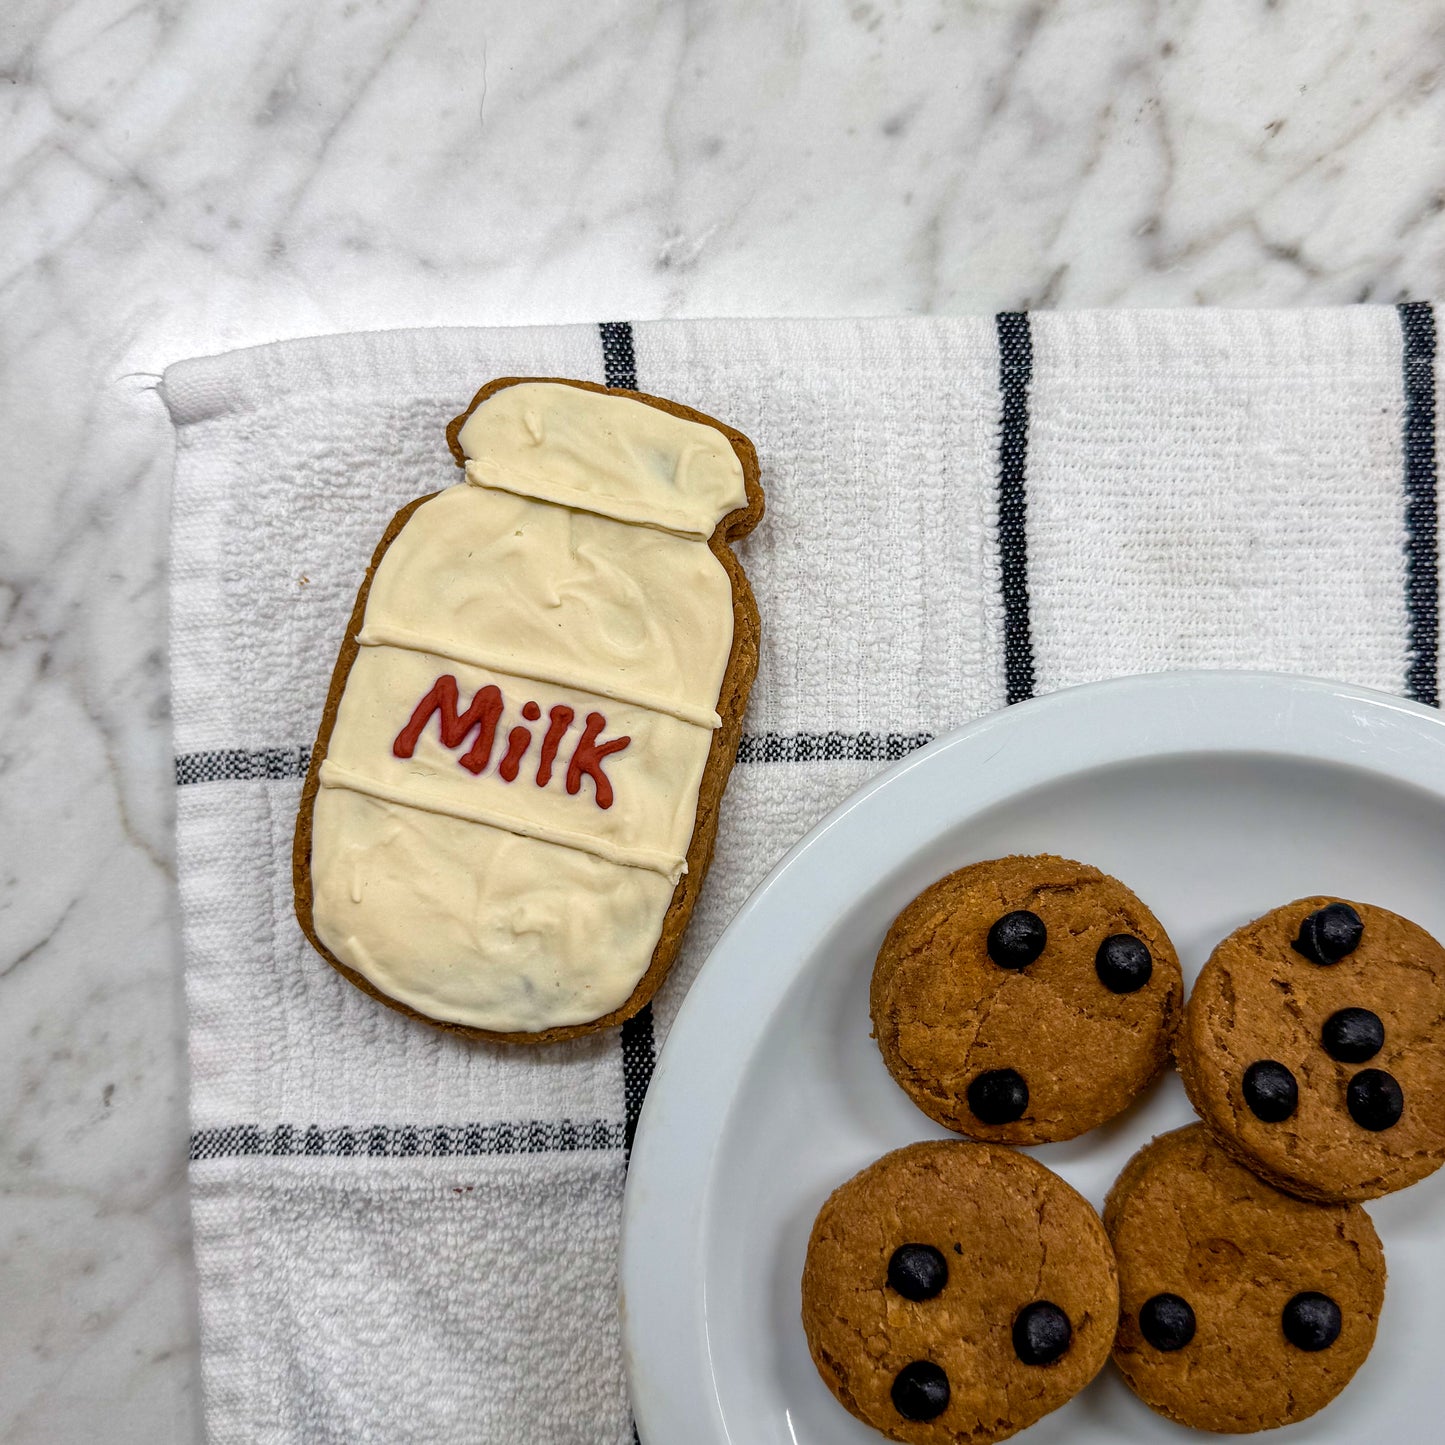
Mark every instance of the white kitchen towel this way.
pixel 403 1237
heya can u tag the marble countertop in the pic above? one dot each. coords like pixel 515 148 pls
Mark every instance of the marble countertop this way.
pixel 180 179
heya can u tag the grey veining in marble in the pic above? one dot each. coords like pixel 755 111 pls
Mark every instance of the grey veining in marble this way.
pixel 179 178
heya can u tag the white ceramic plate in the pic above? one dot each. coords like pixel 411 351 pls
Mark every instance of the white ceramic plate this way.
pixel 1215 797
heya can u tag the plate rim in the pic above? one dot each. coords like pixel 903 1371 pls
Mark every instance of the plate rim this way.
pixel 1121 720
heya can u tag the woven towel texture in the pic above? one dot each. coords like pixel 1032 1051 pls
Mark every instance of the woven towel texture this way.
pixel 403 1237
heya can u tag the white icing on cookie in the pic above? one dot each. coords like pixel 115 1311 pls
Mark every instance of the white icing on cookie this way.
pixel 511 781
pixel 608 454
pixel 654 779
pixel 386 635
pixel 515 934
pixel 533 588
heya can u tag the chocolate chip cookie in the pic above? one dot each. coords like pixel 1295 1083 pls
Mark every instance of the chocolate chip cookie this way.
pixel 1314 1049
pixel 1025 999
pixel 957 1292
pixel 1241 1308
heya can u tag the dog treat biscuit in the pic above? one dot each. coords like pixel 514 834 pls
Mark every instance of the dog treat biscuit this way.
pixel 1314 1049
pixel 1025 999
pixel 1242 1308
pixel 955 1293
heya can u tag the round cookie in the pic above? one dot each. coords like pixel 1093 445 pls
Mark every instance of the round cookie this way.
pixel 1025 999
pixel 957 1292
pixel 1241 1308
pixel 1314 1049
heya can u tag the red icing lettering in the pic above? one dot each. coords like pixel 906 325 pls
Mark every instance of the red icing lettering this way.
pixel 517 742
pixel 483 714
pixel 588 759
pixel 561 719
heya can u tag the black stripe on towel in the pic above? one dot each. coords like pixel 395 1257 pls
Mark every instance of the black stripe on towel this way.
pixel 639 1048
pixel 830 747
pixel 1422 553
pixel 1015 372
pixel 407 1141
pixel 619 360
pixel 639 1058
pixel 237 765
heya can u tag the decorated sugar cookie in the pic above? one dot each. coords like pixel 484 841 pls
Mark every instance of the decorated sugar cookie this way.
pixel 515 787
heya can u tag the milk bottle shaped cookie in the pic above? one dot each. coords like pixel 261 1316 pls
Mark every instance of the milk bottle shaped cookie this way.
pixel 515 787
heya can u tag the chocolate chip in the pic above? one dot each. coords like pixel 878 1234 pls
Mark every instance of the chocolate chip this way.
pixel 1329 934
pixel 1041 1333
pixel 1353 1035
pixel 1123 963
pixel 917 1271
pixel 920 1391
pixel 1167 1322
pixel 1375 1100
pixel 998 1096
pixel 1017 939
pixel 1270 1091
pixel 1311 1321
